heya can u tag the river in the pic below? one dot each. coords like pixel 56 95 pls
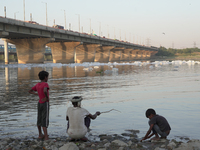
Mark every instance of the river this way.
pixel 171 88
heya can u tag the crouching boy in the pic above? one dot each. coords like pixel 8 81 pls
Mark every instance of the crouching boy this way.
pixel 158 124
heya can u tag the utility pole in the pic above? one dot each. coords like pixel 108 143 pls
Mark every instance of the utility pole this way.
pixel 5 11
pixel 69 26
pixel 46 14
pixel 30 16
pixel 24 10
pixel 90 27
pixel 120 34
pixel 194 44
pixel 114 33
pixel 148 42
pixel 79 22
pixel 99 28
pixel 108 30
pixel 65 19
pixel 15 14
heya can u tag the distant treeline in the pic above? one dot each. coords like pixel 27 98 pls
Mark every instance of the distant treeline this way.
pixel 172 52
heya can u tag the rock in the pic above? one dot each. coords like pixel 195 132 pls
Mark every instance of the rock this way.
pixel 138 145
pixel 105 140
pixel 69 146
pixel 82 146
pixel 54 147
pixel 107 145
pixel 121 148
pixel 102 149
pixel 34 146
pixel 157 148
pixel 171 145
pixel 191 145
pixel 3 143
pixel 108 137
pixel 120 143
pixel 130 143
pixel 159 141
pixel 162 146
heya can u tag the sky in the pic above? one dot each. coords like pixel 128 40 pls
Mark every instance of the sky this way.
pixel 168 23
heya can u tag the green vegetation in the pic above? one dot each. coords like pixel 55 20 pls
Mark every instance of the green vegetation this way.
pixel 174 52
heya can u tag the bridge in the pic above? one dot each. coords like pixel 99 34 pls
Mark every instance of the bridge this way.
pixel 66 46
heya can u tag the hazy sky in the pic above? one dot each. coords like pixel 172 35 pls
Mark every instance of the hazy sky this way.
pixel 169 23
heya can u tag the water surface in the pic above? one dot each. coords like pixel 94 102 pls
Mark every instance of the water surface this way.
pixel 171 88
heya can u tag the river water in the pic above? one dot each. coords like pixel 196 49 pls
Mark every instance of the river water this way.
pixel 171 88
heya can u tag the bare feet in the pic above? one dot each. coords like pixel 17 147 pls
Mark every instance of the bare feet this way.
pixel 41 136
pixel 155 138
pixel 46 137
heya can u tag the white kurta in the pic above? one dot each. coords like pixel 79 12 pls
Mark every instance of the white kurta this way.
pixel 77 128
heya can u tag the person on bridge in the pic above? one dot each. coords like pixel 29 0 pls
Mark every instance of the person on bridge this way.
pixel 78 120
pixel 42 89
pixel 158 124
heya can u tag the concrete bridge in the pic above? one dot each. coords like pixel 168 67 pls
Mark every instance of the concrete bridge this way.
pixel 66 46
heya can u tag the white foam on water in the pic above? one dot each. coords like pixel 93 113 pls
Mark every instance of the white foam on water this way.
pixel 90 65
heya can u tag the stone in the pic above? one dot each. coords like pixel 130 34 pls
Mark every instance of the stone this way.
pixel 108 137
pixel 105 140
pixel 69 146
pixel 157 148
pixel 191 145
pixel 102 149
pixel 162 146
pixel 82 146
pixel 34 146
pixel 121 148
pixel 171 145
pixel 130 143
pixel 119 143
pixel 107 145
pixel 54 147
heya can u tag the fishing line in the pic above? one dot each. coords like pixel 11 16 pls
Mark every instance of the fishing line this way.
pixel 110 111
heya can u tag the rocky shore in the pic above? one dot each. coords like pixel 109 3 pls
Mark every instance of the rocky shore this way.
pixel 125 141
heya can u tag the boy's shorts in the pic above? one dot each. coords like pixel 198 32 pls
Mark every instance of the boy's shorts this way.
pixel 43 114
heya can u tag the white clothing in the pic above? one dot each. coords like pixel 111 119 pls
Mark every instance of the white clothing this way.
pixel 77 128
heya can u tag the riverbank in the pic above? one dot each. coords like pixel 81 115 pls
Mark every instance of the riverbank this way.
pixel 125 141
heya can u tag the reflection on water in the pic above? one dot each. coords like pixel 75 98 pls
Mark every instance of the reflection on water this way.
pixel 171 88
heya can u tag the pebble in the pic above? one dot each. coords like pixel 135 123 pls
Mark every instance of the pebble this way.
pixel 106 142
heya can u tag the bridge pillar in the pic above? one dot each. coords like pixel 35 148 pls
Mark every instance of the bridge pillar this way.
pixel 148 54
pixel 125 55
pixel 6 52
pixel 63 52
pixel 102 53
pixel 30 50
pixel 85 53
pixel 139 54
pixel 115 54
pixel 133 54
pixel 144 53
